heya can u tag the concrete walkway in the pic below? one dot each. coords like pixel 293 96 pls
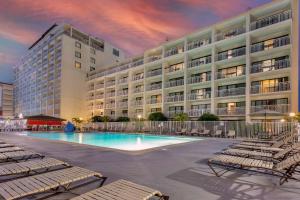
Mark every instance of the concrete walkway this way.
pixel 179 171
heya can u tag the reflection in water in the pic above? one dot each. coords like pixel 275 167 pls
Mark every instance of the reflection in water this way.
pixel 80 136
pixel 138 141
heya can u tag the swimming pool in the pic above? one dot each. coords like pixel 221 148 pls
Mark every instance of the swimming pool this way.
pixel 121 141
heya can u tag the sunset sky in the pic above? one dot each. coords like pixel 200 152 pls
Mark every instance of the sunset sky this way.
pixel 132 25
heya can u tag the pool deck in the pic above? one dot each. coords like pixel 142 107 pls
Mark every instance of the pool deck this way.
pixel 179 171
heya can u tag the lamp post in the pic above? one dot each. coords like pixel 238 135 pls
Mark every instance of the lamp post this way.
pixel 139 117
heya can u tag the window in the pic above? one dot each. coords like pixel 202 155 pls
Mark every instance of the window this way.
pixel 116 52
pixel 93 60
pixel 93 51
pixel 78 45
pixel 77 54
pixel 77 65
pixel 92 68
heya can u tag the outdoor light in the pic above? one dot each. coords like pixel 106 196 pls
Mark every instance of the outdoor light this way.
pixel 139 117
pixel 282 120
pixel 292 114
pixel 80 118
pixel 20 116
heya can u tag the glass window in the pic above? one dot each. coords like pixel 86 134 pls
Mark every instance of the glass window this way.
pixel 93 60
pixel 93 51
pixel 116 52
pixel 77 65
pixel 77 54
pixel 92 68
pixel 78 45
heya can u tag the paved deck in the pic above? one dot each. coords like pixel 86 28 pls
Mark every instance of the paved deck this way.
pixel 179 171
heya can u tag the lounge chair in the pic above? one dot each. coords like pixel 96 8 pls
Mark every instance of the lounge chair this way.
pixel 5 145
pixel 194 131
pixel 182 132
pixel 218 133
pixel 46 182
pixel 31 166
pixel 231 134
pixel 255 148
pixel 283 169
pixel 18 155
pixel 205 132
pixel 10 149
pixel 122 190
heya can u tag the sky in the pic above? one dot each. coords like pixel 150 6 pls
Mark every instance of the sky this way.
pixel 132 25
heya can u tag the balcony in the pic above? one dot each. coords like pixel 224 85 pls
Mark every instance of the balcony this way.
pixel 123 81
pixel 90 88
pixel 231 112
pixel 198 79
pixel 90 98
pixel 173 69
pixel 154 87
pixel 176 98
pixel 192 97
pixel 199 62
pixel 279 108
pixel 138 90
pixel 154 73
pixel 198 112
pixel 99 106
pixel 138 103
pixel 138 77
pixel 171 114
pixel 110 83
pixel 231 92
pixel 99 86
pixel 153 58
pixel 273 19
pixel 101 96
pixel 110 106
pixel 198 43
pixel 231 54
pixel 231 33
pixel 137 63
pixel 174 51
pixel 221 75
pixel 111 94
pixel 174 83
pixel 123 93
pixel 279 64
pixel 123 104
pixel 154 101
pixel 280 87
pixel 278 42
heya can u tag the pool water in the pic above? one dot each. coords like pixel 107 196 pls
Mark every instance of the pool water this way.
pixel 121 141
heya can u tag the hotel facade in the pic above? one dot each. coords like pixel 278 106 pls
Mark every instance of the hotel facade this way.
pixel 244 68
pixel 6 101
pixel 51 78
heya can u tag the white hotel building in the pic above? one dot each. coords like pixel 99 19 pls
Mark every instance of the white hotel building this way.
pixel 236 69
pixel 51 78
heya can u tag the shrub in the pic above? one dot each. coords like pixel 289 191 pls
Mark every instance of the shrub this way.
pixel 181 117
pixel 208 117
pixel 97 119
pixel 123 119
pixel 157 116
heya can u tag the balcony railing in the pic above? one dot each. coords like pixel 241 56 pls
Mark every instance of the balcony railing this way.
pixel 172 69
pixel 137 103
pixel 175 98
pixel 231 111
pixel 110 106
pixel 278 42
pixel 153 58
pixel 137 63
pixel 234 53
pixel 173 51
pixel 198 43
pixel 174 83
pixel 123 92
pixel 99 106
pixel 138 90
pixel 221 75
pixel 153 101
pixel 123 104
pixel 138 77
pixel 110 83
pixel 99 86
pixel 192 97
pixel 279 64
pixel 198 79
pixel 101 96
pixel 123 80
pixel 154 87
pixel 154 73
pixel 231 33
pixel 280 108
pixel 171 114
pixel 198 112
pixel 231 92
pixel 280 87
pixel 111 94
pixel 199 62
pixel 273 19
pixel 90 88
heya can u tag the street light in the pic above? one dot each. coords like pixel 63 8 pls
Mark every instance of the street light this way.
pixel 292 114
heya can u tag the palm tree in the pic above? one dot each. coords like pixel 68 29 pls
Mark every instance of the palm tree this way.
pixel 181 117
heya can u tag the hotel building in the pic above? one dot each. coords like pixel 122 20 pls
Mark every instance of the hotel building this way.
pixel 6 101
pixel 238 69
pixel 51 78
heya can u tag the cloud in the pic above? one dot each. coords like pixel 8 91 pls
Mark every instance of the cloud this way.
pixel 6 58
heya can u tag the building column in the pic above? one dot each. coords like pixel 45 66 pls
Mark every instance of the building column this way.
pixel 185 64
pixel 213 73
pixel 248 67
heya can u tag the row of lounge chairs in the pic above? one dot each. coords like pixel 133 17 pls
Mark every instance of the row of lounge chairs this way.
pixel 26 174
pixel 279 157
pixel 206 132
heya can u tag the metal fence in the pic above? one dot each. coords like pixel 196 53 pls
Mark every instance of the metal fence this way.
pixel 242 129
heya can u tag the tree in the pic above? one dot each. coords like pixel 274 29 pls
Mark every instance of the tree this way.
pixel 123 119
pixel 97 118
pixel 106 119
pixel 77 120
pixel 181 117
pixel 157 116
pixel 208 117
